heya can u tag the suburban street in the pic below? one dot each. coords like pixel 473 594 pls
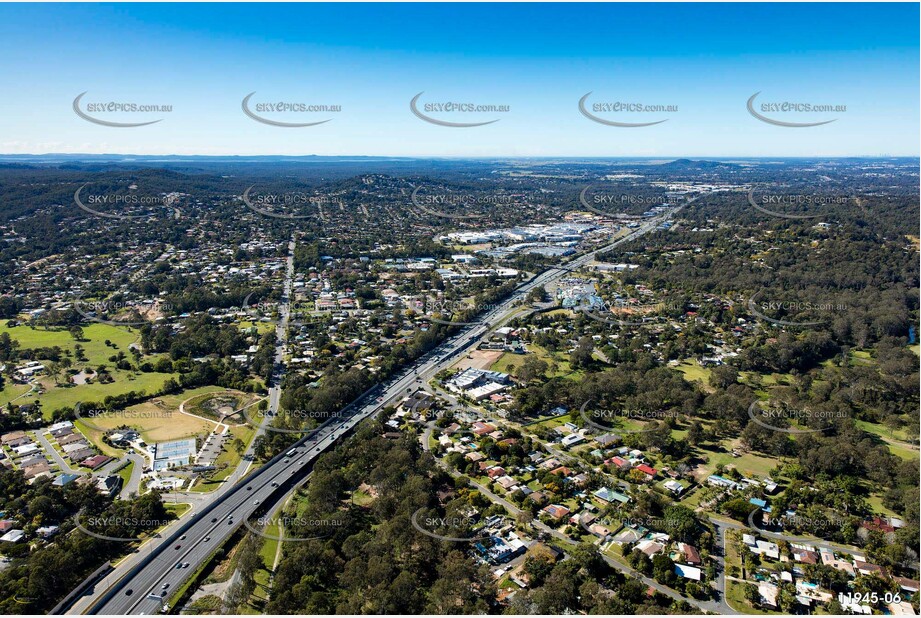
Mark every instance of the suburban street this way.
pixel 709 606
pixel 145 587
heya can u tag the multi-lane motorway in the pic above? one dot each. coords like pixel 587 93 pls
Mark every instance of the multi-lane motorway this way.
pixel 147 586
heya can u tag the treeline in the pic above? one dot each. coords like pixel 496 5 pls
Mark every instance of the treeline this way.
pixel 374 561
pixel 859 283
pixel 201 335
pixel 834 398
pixel 41 574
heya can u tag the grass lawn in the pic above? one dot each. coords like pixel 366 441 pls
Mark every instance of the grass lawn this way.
pixel 96 352
pixel 12 391
pixel 861 357
pixel 748 464
pixel 156 421
pixel 572 504
pixel 362 498
pixel 177 509
pixel 256 603
pixel 883 431
pixel 876 503
pixel 261 327
pixel 903 452
pixel 173 400
pixel 508 362
pixel 229 455
pixel 767 379
pixel 204 485
pixel 551 422
pixel 125 473
pixel 95 348
pixel 691 500
pixel 95 437
pixel 125 381
pixel 693 372
pixel 735 597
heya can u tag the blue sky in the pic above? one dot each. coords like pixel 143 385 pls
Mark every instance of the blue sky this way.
pixel 539 59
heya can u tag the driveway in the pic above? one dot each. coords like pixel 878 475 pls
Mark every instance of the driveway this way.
pixel 708 606
pixel 54 454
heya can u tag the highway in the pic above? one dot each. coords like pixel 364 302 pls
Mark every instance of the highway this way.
pixel 147 586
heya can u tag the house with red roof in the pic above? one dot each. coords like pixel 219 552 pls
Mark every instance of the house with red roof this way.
pixel 481 429
pixel 562 471
pixel 691 555
pixel 878 523
pixel 96 461
pixel 620 462
pixel 556 512
pixel 645 469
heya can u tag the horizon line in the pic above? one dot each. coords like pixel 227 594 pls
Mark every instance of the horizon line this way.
pixel 469 157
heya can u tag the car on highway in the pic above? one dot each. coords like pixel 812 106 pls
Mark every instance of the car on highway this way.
pixel 249 488
pixel 255 502
pixel 207 538
pixel 129 592
pixel 177 547
pixel 165 586
pixel 185 565
pixel 182 538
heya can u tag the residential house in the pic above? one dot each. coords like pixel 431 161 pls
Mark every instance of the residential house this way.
pixel 691 555
pixel 556 512
pixel 719 481
pixel 768 593
pixel 648 471
pixel 96 461
pixel 650 547
pixel 688 572
pixel 607 495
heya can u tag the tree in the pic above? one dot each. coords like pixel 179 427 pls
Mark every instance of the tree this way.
pixel 532 369
pixel 723 376
pixel 663 569
pixel 751 594
pixel 234 598
pixel 582 356
pixel 695 433
pixel 681 523
pixel 524 518
pixel 537 294
pixel 538 563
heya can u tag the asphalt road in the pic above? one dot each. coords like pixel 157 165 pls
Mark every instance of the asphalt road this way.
pixel 145 588
pixel 704 606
